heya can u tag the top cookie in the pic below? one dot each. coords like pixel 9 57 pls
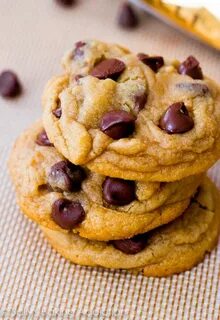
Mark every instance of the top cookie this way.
pixel 133 116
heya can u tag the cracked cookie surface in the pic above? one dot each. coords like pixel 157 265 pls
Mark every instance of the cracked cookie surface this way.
pixel 133 116
pixel 173 248
pixel 42 176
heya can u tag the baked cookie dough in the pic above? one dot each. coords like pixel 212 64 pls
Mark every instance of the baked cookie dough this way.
pixel 133 116
pixel 170 249
pixel 61 196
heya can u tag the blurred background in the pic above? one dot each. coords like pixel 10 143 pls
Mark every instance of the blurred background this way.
pixel 35 34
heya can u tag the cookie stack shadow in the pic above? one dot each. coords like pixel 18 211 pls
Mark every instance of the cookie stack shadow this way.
pixel 114 173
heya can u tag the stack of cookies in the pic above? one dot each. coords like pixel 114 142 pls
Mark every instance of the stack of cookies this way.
pixel 114 174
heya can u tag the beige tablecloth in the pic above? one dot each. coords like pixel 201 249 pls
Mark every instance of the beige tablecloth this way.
pixel 35 282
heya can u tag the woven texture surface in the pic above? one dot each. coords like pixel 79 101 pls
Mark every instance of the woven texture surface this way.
pixel 36 283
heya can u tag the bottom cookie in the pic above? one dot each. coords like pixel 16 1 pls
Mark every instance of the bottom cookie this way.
pixel 173 248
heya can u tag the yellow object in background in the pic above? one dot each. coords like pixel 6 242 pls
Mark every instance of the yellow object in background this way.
pixel 198 21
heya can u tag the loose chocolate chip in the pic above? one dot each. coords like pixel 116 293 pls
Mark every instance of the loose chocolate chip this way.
pixel 131 246
pixel 67 214
pixel 78 51
pixel 43 140
pixel 176 119
pixel 191 68
pixel 9 84
pixel 66 3
pixel 127 17
pixel 65 176
pixel 118 124
pixel 140 101
pixel 109 68
pixel 197 88
pixel 118 192
pixel 155 63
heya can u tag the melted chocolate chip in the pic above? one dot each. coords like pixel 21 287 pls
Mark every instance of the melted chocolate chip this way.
pixel 9 84
pixel 142 56
pixel 57 112
pixel 155 63
pixel 109 68
pixel 43 140
pixel 118 192
pixel 65 176
pixel 197 88
pixel 176 119
pixel 78 51
pixel 127 17
pixel 42 187
pixel 67 214
pixel 118 124
pixel 140 101
pixel 191 68
pixel 66 3
pixel 131 246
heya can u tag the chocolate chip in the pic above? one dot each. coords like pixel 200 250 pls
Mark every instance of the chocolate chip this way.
pixel 67 214
pixel 65 176
pixel 191 68
pixel 142 56
pixel 176 119
pixel 197 88
pixel 131 246
pixel 44 188
pixel 66 3
pixel 109 68
pixel 127 17
pixel 9 84
pixel 118 124
pixel 118 192
pixel 43 140
pixel 155 63
pixel 140 101
pixel 57 112
pixel 78 51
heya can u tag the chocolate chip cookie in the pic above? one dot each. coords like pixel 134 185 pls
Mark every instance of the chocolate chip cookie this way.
pixel 135 117
pixel 62 196
pixel 173 248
